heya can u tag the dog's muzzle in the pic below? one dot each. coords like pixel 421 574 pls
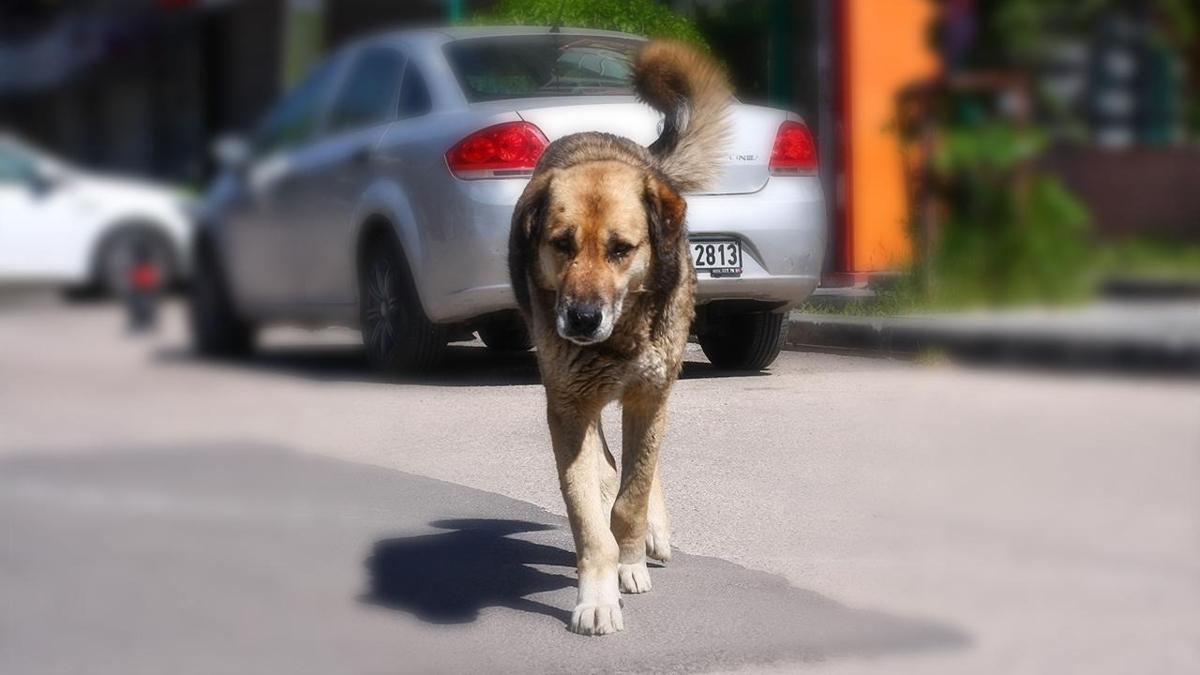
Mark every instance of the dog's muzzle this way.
pixel 583 323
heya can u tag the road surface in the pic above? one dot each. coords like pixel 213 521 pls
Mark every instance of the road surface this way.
pixel 293 513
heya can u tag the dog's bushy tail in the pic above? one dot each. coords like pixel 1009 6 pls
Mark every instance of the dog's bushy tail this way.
pixel 691 90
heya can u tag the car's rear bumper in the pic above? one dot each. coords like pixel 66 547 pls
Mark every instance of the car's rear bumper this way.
pixel 782 228
pixel 786 291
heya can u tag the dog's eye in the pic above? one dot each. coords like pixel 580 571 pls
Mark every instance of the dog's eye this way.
pixel 563 245
pixel 619 250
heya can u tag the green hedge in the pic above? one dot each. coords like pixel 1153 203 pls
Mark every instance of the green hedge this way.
pixel 641 17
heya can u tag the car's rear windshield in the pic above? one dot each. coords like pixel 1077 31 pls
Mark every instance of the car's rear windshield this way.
pixel 520 66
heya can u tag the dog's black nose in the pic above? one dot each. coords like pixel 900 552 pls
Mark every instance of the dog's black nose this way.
pixel 583 319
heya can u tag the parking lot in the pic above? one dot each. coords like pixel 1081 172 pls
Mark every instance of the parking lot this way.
pixel 295 513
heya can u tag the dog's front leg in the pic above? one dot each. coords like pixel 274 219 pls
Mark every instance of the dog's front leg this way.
pixel 643 420
pixel 577 451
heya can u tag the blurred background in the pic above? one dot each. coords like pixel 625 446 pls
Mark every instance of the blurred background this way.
pixel 976 448
pixel 925 112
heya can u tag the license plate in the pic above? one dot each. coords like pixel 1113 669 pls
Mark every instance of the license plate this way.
pixel 717 257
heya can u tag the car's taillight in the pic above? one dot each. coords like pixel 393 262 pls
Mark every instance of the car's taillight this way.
pixel 794 152
pixel 500 151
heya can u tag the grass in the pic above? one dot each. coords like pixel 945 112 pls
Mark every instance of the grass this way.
pixel 1136 259
pixel 1149 259
pixel 891 301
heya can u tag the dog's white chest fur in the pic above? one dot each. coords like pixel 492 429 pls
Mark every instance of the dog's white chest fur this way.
pixel 652 366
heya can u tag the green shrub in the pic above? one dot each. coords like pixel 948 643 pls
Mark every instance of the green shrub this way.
pixel 1009 233
pixel 642 17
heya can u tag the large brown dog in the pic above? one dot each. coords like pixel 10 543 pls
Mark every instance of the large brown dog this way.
pixel 600 268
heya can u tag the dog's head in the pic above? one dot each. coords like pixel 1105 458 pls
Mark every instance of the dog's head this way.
pixel 593 233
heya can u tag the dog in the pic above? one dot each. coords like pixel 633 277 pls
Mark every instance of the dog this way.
pixel 600 268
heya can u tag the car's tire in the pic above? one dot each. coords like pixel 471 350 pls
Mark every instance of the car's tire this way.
pixel 397 335
pixel 116 254
pixel 748 341
pixel 217 329
pixel 506 335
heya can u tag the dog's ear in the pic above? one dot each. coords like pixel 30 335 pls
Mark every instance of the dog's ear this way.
pixel 665 212
pixel 528 219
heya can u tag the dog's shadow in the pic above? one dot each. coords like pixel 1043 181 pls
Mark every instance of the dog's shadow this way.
pixel 448 577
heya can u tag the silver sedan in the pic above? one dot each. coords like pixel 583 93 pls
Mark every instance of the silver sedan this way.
pixel 378 195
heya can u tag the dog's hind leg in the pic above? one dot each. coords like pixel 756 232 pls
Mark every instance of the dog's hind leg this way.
pixel 658 523
pixel 643 422
pixel 577 452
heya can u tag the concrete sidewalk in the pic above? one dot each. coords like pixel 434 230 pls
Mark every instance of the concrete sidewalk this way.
pixel 1161 335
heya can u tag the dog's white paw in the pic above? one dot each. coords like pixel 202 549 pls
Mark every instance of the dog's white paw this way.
pixel 634 578
pixel 658 541
pixel 598 607
pixel 597 619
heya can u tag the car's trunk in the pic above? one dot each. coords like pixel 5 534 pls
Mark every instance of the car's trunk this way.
pixel 746 159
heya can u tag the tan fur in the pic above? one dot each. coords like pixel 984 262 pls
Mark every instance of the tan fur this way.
pixel 602 222
pixel 693 93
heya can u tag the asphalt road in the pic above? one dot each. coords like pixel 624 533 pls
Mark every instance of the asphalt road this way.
pixel 295 514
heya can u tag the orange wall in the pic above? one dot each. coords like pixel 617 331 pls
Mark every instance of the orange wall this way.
pixel 886 47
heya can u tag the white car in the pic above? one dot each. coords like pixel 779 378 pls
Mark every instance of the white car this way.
pixel 62 225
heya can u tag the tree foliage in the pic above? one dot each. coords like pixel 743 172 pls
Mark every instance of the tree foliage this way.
pixel 642 17
pixel 1023 26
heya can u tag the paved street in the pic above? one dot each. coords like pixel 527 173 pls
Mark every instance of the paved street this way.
pixel 293 513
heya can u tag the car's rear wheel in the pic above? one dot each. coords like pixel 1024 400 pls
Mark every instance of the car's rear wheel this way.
pixel 216 327
pixel 397 335
pixel 506 335
pixel 128 246
pixel 749 341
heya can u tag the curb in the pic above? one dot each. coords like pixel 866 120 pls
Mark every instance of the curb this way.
pixel 1048 345
pixel 1159 289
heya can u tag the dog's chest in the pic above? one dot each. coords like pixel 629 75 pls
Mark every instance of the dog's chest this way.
pixel 652 366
